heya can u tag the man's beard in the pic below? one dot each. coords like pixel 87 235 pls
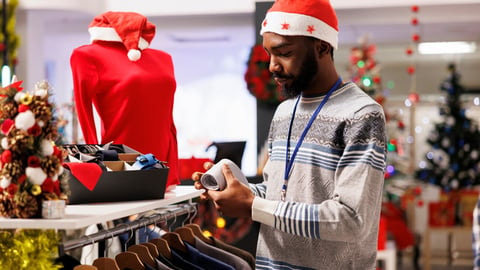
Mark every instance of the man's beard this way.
pixel 307 72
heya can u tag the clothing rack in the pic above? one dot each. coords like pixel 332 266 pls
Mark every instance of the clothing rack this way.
pixel 154 217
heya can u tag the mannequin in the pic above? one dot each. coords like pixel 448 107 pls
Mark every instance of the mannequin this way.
pixel 131 87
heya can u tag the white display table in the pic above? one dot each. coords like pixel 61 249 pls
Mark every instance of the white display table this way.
pixel 82 215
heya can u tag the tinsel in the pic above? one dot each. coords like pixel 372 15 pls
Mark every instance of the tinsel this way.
pixel 31 164
pixel 29 249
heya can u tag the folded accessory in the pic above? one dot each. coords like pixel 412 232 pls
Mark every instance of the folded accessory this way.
pixel 215 180
pixel 146 162
pixel 107 155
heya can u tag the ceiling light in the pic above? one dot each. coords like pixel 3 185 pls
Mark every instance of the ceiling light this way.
pixel 455 47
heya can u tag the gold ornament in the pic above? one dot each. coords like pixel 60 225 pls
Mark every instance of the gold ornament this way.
pixel 26 99
pixel 36 190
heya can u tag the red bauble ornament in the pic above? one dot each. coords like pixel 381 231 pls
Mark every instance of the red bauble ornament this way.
pixel 420 203
pixel 411 70
pixel 414 21
pixel 416 37
pixel 2 47
pixel 409 51
pixel 377 79
pixel 415 8
pixel 414 97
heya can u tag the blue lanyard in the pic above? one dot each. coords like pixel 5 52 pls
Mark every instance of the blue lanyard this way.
pixel 289 161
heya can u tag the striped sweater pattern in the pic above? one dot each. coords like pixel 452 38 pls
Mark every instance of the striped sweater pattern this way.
pixel 330 217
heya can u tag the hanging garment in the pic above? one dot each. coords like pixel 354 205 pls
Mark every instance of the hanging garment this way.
pixel 221 255
pixel 247 256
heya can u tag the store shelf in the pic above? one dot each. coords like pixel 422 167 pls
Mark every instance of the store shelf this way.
pixel 82 215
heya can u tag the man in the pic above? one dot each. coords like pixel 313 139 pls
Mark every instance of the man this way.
pixel 319 204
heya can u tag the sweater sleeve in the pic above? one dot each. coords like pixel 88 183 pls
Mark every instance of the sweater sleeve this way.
pixel 354 209
pixel 85 78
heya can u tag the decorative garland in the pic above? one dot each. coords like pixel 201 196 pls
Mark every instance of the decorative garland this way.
pixel 29 249
pixel 259 80
pixel 31 164
pixel 9 41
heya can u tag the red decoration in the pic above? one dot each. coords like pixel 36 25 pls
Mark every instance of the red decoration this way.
pixel 414 97
pixel 409 51
pixel 2 47
pixel 416 37
pixel 415 8
pixel 441 214
pixel 260 82
pixel 411 70
pixel 414 21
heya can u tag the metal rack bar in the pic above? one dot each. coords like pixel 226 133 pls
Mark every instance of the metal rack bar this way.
pixel 157 216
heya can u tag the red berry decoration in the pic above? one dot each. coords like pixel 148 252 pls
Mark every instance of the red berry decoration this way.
pixel 416 37
pixel 411 70
pixel 415 8
pixel 414 97
pixel 409 51
pixel 414 21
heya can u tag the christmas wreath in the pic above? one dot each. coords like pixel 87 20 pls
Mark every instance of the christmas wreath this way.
pixel 259 80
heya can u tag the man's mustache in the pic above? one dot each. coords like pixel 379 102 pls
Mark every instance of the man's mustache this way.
pixel 281 76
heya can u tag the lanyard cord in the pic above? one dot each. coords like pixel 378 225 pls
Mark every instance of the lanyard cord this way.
pixel 289 160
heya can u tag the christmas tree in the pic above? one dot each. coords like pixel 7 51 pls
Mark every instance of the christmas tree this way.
pixel 453 162
pixel 31 164
pixel 364 71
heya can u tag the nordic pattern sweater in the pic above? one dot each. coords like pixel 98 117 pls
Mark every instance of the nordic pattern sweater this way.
pixel 330 217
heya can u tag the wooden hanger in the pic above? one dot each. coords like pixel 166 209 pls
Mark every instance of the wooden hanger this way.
pixel 152 248
pixel 186 234
pixel 143 253
pixel 175 241
pixel 105 263
pixel 162 247
pixel 197 231
pixel 85 267
pixel 129 260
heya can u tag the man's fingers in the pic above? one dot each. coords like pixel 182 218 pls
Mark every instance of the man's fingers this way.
pixel 196 176
pixel 207 165
pixel 227 172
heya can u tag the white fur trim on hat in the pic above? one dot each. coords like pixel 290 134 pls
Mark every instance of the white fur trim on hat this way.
pixel 109 34
pixel 292 24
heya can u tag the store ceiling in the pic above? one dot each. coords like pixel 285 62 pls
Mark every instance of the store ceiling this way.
pixel 386 25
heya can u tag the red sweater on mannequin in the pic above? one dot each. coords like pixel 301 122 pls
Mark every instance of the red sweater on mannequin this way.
pixel 134 99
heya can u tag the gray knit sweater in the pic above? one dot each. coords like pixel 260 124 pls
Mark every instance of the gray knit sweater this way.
pixel 330 217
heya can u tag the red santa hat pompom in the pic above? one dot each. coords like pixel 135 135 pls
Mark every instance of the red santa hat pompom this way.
pixel 130 28
pixel 314 18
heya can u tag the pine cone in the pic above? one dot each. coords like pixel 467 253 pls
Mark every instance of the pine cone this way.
pixel 41 109
pixel 13 169
pixel 20 141
pixel 50 165
pixel 9 110
pixel 6 205
pixel 27 206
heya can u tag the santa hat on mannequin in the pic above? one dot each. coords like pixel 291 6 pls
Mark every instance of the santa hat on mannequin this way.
pixel 314 18
pixel 130 28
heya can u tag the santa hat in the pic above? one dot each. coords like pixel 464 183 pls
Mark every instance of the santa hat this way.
pixel 314 18
pixel 130 28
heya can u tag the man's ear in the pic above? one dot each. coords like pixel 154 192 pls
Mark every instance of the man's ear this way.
pixel 323 48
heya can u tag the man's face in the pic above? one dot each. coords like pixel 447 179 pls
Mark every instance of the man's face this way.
pixel 292 62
